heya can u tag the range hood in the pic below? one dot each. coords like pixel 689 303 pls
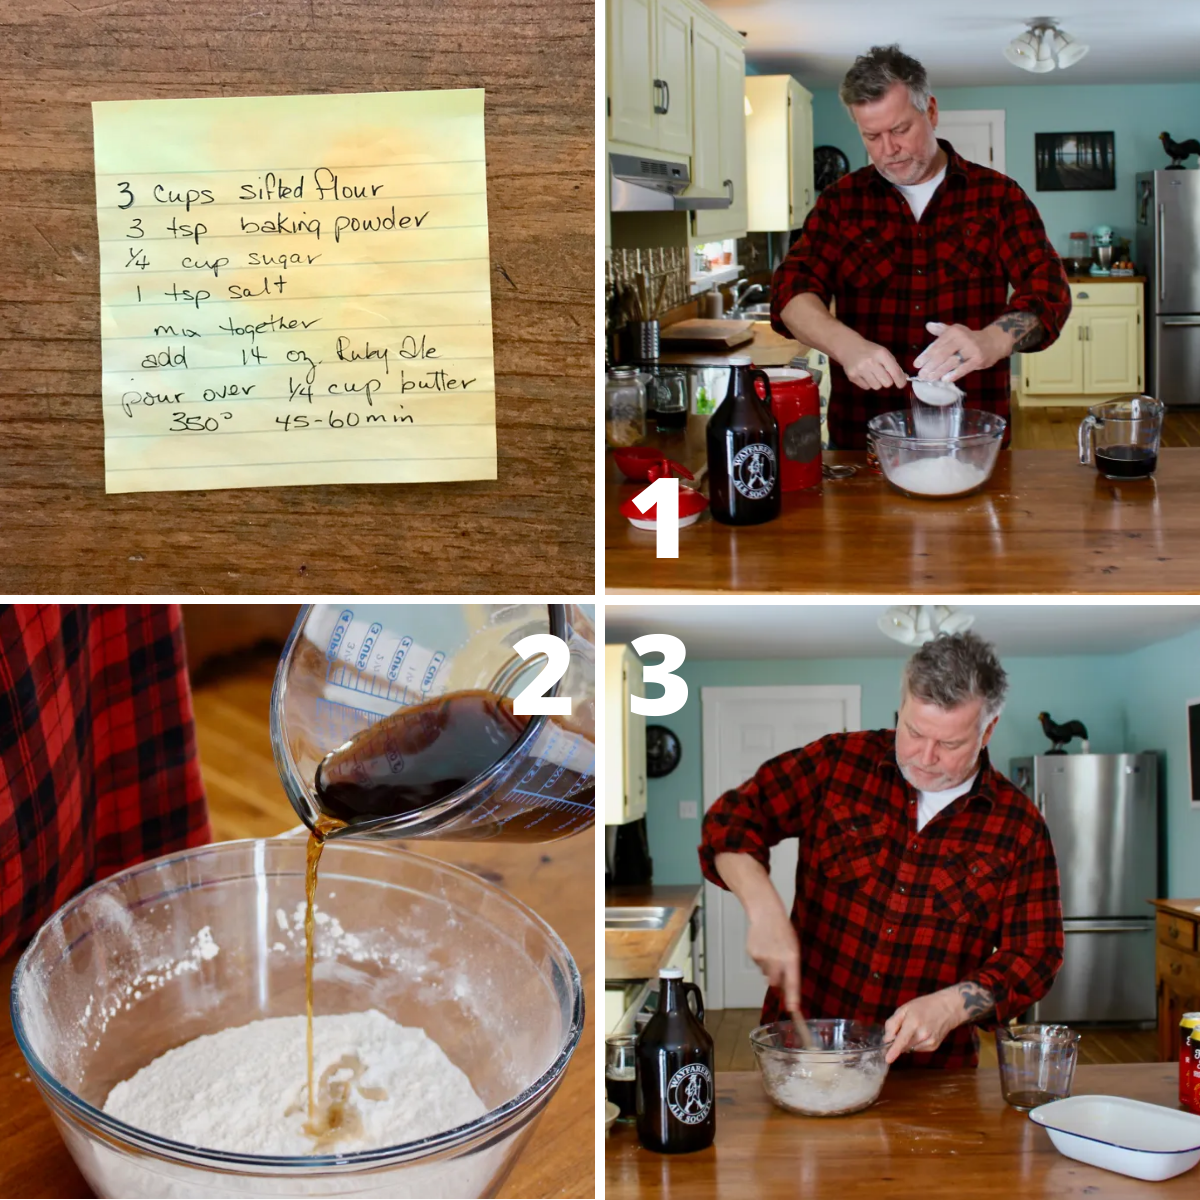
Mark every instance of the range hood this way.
pixel 655 185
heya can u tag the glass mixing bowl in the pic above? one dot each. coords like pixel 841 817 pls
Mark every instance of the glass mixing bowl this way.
pixel 936 468
pixel 197 942
pixel 843 1073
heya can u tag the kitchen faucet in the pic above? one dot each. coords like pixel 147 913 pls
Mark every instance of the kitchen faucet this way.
pixel 740 298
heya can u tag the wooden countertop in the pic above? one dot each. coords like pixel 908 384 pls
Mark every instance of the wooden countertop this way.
pixel 1106 278
pixel 1043 523
pixel 638 953
pixel 531 530
pixel 560 1157
pixel 932 1134
pixel 768 349
pixel 1185 908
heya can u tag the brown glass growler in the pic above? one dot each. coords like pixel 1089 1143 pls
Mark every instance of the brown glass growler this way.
pixel 743 452
pixel 676 1097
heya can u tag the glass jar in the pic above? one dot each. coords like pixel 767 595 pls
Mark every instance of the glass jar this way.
pixel 1079 254
pixel 624 407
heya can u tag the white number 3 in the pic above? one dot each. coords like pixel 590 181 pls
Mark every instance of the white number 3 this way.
pixel 533 701
pixel 675 690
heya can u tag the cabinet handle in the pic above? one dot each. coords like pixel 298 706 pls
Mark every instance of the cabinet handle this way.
pixel 1082 296
pixel 1176 968
pixel 1173 931
pixel 807 193
pixel 661 108
pixel 1079 334
pixel 729 185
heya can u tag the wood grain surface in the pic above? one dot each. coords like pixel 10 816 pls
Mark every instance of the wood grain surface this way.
pixel 1042 524
pixel 638 953
pixel 931 1134
pixel 530 530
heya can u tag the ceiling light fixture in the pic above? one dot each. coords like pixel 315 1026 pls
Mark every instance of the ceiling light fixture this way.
pixel 1043 47
pixel 916 624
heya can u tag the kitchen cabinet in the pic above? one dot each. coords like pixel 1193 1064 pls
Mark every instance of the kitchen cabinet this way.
pixel 779 153
pixel 624 739
pixel 719 126
pixel 1098 355
pixel 649 75
pixel 1177 970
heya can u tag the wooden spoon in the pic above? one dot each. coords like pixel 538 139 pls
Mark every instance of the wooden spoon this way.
pixel 800 1025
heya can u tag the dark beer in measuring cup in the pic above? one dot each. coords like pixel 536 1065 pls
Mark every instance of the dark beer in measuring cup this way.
pixel 675 1092
pixel 743 451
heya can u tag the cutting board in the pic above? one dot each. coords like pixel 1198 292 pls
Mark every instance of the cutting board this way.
pixel 715 335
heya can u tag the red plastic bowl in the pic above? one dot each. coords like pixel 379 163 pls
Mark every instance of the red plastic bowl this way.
pixel 636 463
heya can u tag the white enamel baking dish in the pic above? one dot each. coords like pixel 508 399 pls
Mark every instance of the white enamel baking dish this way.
pixel 1147 1141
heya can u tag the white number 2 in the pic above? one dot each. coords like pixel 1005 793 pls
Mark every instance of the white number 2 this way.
pixel 533 701
pixel 675 690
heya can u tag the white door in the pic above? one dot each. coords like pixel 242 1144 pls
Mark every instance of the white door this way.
pixel 743 727
pixel 977 134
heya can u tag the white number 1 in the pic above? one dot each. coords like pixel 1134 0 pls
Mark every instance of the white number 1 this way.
pixel 675 690
pixel 665 493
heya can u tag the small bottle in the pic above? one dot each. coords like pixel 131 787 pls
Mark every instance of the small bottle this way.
pixel 743 451
pixel 675 1092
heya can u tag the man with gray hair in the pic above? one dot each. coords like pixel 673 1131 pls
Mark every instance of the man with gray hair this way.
pixel 927 892
pixel 922 243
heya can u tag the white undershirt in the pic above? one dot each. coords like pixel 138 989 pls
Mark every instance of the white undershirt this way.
pixel 919 195
pixel 929 804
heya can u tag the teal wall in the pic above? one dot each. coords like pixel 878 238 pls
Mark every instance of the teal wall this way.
pixel 1128 702
pixel 1160 680
pixel 1136 113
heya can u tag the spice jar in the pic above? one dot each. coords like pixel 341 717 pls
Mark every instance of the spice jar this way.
pixel 624 407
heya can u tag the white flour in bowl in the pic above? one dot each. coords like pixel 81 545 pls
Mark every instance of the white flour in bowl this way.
pixel 823 1088
pixel 945 476
pixel 245 1089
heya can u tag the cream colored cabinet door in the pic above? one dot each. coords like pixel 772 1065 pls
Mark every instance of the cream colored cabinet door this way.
pixel 706 111
pixel 673 54
pixel 625 739
pixel 631 91
pixel 729 177
pixel 800 140
pixel 1111 361
pixel 1059 369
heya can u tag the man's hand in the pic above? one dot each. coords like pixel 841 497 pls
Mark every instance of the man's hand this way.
pixel 958 351
pixel 921 1024
pixel 869 365
pixel 772 943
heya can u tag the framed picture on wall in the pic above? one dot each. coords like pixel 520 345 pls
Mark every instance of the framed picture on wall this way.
pixel 1193 723
pixel 1075 162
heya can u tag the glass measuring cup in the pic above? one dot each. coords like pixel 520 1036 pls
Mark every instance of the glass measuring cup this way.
pixel 1122 437
pixel 365 692
pixel 1037 1063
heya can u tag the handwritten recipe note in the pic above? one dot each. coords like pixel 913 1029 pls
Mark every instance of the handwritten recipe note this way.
pixel 294 290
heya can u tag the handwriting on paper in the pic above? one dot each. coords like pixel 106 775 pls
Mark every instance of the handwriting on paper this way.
pixel 307 304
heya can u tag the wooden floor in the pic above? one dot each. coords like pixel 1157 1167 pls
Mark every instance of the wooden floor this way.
pixel 246 799
pixel 1058 428
pixel 730 1029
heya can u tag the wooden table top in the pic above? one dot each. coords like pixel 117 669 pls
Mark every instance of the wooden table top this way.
pixel 1185 908
pixel 638 953
pixel 931 1134
pixel 560 1158
pixel 531 530
pixel 1042 524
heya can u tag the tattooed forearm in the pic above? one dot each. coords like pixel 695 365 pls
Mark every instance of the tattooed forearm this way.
pixel 1025 328
pixel 977 1001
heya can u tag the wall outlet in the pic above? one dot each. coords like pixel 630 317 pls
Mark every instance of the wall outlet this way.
pixel 688 810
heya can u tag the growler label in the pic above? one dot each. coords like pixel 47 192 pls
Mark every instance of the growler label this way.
pixel 753 470
pixel 690 1091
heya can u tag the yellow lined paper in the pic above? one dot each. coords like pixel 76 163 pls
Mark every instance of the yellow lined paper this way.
pixel 294 290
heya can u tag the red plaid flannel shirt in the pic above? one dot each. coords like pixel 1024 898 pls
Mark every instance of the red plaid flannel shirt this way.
pixel 889 274
pixel 885 913
pixel 98 766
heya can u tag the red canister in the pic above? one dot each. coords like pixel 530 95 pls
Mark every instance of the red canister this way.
pixel 796 406
pixel 1188 1025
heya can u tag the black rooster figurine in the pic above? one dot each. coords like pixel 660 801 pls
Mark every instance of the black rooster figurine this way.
pixel 1060 735
pixel 1180 152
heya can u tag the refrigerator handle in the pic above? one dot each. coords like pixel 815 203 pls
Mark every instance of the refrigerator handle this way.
pixel 1162 254
pixel 1041 803
pixel 1112 929
pixel 1173 324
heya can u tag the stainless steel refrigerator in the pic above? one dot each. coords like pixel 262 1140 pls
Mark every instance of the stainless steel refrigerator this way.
pixel 1168 250
pixel 1102 813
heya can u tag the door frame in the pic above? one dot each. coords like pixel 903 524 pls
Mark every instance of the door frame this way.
pixel 990 116
pixel 850 694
